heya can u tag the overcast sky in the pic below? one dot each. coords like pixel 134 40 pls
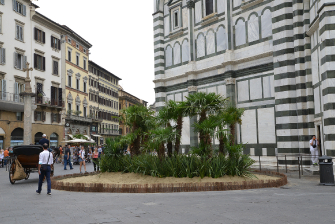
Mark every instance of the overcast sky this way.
pixel 121 33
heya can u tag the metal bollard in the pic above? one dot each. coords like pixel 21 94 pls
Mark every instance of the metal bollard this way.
pixel 277 165
pixel 260 166
pixel 285 164
pixel 299 166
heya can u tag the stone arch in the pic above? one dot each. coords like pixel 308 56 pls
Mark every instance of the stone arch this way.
pixel 185 50
pixel 266 23
pixel 240 32
pixel 221 38
pixel 210 42
pixel 253 27
pixel 176 53
pixel 200 44
pixel 37 137
pixel 168 56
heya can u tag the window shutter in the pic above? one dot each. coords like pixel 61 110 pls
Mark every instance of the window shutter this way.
pixel 16 92
pixel 15 59
pixel 2 56
pixel 58 44
pixel 14 6
pixel 43 34
pixel 24 62
pixel 24 10
pixel 35 61
pixel 52 41
pixel 52 117
pixel 59 116
pixel 1 23
pixel 35 115
pixel 60 97
pixel 3 89
pixel 21 33
pixel 35 33
pixel 17 32
pixel 43 116
pixel 43 63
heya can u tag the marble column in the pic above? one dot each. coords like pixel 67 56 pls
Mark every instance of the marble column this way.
pixel 194 139
pixel 28 111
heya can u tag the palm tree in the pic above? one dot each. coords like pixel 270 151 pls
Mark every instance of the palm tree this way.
pixel 164 119
pixel 203 104
pixel 234 116
pixel 160 136
pixel 139 119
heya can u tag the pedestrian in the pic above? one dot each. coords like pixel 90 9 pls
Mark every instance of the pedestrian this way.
pixel 96 159
pixel 45 165
pixel 67 157
pixel 314 150
pixel 89 155
pixel 1 157
pixel 82 159
pixel 44 140
pixel 100 151
pixel 60 157
pixel 6 156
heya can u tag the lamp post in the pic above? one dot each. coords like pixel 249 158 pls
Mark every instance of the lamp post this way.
pixel 27 97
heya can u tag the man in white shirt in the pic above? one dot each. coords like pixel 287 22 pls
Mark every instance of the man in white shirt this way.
pixel 100 150
pixel 44 168
pixel 314 150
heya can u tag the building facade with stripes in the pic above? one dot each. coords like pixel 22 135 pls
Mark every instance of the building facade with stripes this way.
pixel 275 58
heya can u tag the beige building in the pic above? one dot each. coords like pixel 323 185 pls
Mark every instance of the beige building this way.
pixel 104 102
pixel 127 100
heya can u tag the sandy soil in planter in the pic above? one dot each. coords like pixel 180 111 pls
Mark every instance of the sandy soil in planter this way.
pixel 134 178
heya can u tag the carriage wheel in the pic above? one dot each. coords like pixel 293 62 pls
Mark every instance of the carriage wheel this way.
pixel 27 175
pixel 11 173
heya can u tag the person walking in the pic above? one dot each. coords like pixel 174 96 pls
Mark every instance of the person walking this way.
pixel 1 157
pixel 44 140
pixel 60 157
pixel 100 151
pixel 96 159
pixel 67 158
pixel 82 159
pixel 45 165
pixel 6 156
pixel 314 150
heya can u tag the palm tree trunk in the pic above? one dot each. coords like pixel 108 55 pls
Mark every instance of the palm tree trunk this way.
pixel 161 151
pixel 179 131
pixel 232 134
pixel 221 145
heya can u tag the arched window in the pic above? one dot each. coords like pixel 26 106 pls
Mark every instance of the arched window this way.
pixel 253 28
pixel 266 23
pixel 53 140
pixel 16 137
pixel 201 45
pixel 176 54
pixel 185 51
pixel 168 56
pixel 38 137
pixel 221 38
pixel 240 35
pixel 210 42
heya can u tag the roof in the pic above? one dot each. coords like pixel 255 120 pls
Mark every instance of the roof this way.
pixel 51 21
pixel 78 36
pixel 92 62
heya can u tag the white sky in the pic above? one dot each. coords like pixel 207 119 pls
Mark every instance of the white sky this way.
pixel 121 32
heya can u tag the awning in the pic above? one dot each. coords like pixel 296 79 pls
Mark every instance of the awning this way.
pixel 99 136
pixel 71 136
pixel 88 137
pixel 2 132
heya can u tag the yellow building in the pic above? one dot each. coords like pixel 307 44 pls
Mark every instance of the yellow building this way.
pixel 76 50
pixel 103 95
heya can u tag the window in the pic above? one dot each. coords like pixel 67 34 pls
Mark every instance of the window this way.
pixel 2 56
pixel 55 68
pixel 19 7
pixel 38 116
pixel 77 107
pixel 69 40
pixel 84 110
pixel 0 21
pixel 69 106
pixel 85 87
pixel 175 18
pixel 19 32
pixel 77 84
pixel 77 46
pixel 209 7
pixel 20 61
pixel 69 81
pixel 77 60
pixel 69 53
pixel 55 43
pixel 84 64
pixel 39 35
pixel 39 62
pixel 85 51
pixel 19 116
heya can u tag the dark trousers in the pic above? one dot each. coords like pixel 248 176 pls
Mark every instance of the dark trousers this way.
pixel 45 173
pixel 96 164
pixel 67 160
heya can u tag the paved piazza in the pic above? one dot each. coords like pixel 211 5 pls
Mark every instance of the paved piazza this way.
pixel 301 201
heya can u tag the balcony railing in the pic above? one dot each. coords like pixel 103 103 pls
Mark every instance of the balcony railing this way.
pixel 79 118
pixel 48 102
pixel 5 96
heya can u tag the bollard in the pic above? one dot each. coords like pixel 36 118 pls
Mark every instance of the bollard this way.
pixel 277 165
pixel 299 166
pixel 302 170
pixel 260 166
pixel 285 164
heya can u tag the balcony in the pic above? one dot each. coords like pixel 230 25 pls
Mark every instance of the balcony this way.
pixel 78 118
pixel 95 119
pixel 12 102
pixel 47 102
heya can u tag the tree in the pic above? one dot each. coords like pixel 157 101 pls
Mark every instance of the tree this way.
pixel 158 138
pixel 164 119
pixel 139 119
pixel 203 104
pixel 234 116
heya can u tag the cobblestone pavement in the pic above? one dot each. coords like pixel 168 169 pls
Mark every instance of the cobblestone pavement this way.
pixel 301 201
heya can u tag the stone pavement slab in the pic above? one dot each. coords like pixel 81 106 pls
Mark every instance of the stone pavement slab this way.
pixel 300 201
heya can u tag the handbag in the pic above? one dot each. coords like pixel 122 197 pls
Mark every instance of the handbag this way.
pixel 44 167
pixel 19 173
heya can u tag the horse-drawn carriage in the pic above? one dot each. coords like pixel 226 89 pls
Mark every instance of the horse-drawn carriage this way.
pixel 28 157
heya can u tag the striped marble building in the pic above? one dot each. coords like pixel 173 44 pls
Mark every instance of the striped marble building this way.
pixel 275 58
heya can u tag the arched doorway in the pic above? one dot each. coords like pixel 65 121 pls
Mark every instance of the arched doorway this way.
pixel 53 140
pixel 16 138
pixel 1 142
pixel 38 137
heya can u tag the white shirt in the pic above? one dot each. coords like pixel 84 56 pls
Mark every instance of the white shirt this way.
pixel 44 156
pixel 82 154
pixel 311 146
pixel 1 156
pixel 99 149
